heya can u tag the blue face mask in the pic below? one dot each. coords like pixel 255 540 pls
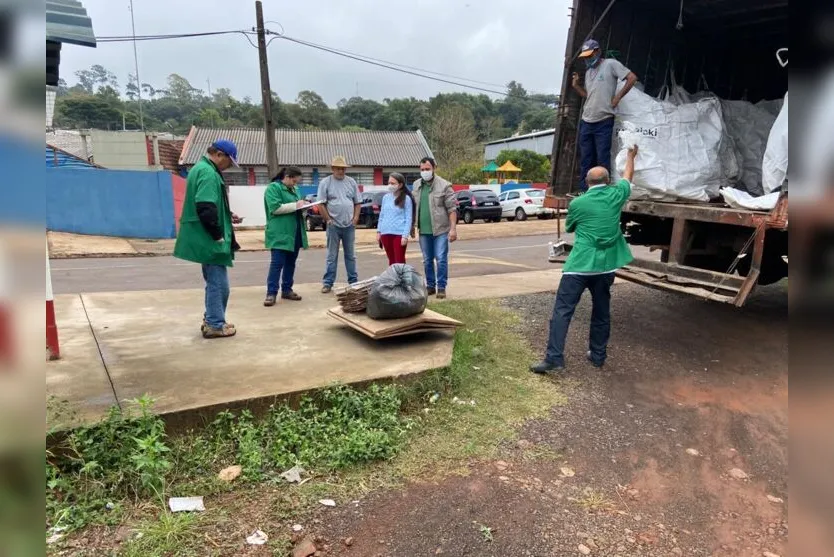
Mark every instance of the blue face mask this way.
pixel 593 60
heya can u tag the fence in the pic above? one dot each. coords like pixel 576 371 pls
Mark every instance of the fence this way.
pixel 132 204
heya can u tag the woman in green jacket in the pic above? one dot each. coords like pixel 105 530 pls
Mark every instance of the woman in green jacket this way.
pixel 285 233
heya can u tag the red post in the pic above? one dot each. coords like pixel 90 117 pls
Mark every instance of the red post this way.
pixel 251 180
pixel 378 177
pixel 53 350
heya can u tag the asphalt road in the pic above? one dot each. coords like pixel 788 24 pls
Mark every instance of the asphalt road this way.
pixel 466 258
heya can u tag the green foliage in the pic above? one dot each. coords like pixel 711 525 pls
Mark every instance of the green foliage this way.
pixel 99 466
pixel 96 466
pixel 95 101
pixel 468 173
pixel 534 167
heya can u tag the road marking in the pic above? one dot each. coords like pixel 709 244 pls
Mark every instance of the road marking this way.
pixel 359 249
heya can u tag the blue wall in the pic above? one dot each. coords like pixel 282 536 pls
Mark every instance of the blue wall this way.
pixel 128 203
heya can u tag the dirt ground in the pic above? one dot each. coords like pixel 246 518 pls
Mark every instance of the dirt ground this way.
pixel 677 447
pixel 63 245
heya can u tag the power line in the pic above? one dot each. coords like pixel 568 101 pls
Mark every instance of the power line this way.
pixel 402 68
pixel 390 67
pixel 415 68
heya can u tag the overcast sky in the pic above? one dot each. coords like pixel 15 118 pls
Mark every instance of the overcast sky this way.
pixel 488 40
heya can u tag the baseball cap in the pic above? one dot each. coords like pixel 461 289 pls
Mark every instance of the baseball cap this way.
pixel 228 148
pixel 588 48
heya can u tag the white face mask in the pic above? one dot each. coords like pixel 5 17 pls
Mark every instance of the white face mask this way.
pixel 426 175
pixel 392 187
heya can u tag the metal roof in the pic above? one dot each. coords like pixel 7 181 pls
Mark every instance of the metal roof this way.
pixel 314 147
pixel 67 22
pixel 59 158
pixel 69 141
pixel 551 131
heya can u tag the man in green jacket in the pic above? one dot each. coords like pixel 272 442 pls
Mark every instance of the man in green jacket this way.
pixel 599 249
pixel 206 234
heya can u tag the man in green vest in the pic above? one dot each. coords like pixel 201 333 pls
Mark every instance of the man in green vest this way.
pixel 599 249
pixel 206 234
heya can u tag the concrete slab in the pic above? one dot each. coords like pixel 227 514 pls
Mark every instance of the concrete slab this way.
pixel 79 377
pixel 151 343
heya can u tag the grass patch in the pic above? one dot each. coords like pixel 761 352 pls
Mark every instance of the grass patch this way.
pixel 353 442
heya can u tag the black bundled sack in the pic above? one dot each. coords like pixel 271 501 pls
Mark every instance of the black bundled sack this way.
pixel 398 292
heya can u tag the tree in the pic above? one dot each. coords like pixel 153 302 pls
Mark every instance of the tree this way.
pixel 452 136
pixel 149 90
pixel 132 87
pixel 180 88
pixel 534 167
pixel 88 111
pixel 357 111
pixel 401 115
pixel 536 119
pixel 62 88
pixel 468 173
pixel 313 112
pixel 86 81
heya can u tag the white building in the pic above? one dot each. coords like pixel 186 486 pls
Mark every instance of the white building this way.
pixel 540 142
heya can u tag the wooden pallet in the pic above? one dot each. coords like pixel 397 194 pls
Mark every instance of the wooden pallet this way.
pixel 387 328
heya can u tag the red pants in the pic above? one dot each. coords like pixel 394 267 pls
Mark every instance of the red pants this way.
pixel 393 248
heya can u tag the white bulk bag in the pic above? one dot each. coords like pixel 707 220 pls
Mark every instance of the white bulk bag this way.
pixel 749 124
pixel 740 199
pixel 679 146
pixel 775 160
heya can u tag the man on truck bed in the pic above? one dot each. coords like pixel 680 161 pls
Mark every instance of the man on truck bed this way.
pixel 601 100
pixel 599 249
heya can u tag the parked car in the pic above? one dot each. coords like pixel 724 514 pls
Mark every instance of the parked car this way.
pixel 312 216
pixel 520 204
pixel 369 211
pixel 477 204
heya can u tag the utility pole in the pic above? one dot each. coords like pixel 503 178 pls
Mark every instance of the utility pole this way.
pixel 136 67
pixel 266 93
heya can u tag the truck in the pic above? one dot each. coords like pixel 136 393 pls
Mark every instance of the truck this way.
pixel 708 250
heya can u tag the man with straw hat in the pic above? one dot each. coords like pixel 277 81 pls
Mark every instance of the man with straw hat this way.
pixel 340 211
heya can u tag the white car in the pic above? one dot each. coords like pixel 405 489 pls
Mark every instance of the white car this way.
pixel 520 204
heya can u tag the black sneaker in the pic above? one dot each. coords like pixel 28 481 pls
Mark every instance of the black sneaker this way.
pixel 546 367
pixel 591 359
pixel 431 291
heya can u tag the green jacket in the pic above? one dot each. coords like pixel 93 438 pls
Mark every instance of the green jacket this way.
pixel 194 243
pixel 599 245
pixel 281 229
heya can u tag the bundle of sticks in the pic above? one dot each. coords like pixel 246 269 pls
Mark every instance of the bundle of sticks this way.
pixel 354 298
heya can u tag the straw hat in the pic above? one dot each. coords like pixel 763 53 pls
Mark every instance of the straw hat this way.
pixel 339 162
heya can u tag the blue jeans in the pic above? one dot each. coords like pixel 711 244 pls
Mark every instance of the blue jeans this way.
pixel 217 294
pixel 435 248
pixel 281 267
pixel 347 236
pixel 570 291
pixel 594 147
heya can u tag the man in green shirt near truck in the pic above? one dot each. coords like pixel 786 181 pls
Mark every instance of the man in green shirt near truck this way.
pixel 599 249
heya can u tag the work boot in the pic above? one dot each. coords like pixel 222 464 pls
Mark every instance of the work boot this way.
pixel 591 359
pixel 226 331
pixel 290 296
pixel 545 367
pixel 326 289
pixel 441 294
pixel 269 301
pixel 431 291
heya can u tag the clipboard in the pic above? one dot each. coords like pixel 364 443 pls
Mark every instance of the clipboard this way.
pixel 314 203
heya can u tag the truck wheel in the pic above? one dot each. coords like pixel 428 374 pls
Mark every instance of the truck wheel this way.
pixel 520 214
pixel 468 217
